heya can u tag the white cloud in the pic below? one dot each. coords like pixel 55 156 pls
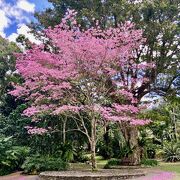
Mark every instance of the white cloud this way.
pixel 25 30
pixel 26 6
pixel 4 22
pixel 14 13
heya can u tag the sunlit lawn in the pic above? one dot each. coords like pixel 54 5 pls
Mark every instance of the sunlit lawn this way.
pixel 80 166
pixel 172 167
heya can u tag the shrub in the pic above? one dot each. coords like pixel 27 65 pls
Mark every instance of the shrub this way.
pixel 71 153
pixel 149 162
pixel 67 152
pixel 80 155
pixel 11 157
pixel 106 152
pixel 37 163
pixel 171 152
pixel 112 162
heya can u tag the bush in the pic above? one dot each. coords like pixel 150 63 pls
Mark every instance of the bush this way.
pixel 37 163
pixel 71 153
pixel 67 152
pixel 112 162
pixel 149 162
pixel 171 152
pixel 105 150
pixel 11 157
pixel 80 155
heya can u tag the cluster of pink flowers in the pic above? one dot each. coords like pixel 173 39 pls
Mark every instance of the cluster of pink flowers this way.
pixel 126 94
pixel 120 113
pixel 30 111
pixel 125 108
pixel 19 91
pixel 36 130
pixel 66 108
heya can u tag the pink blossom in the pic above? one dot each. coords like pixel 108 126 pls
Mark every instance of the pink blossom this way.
pixel 87 69
pixel 126 108
pixel 36 130
pixel 65 108
pixel 30 111
pixel 161 176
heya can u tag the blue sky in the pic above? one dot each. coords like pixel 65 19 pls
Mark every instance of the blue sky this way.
pixel 15 14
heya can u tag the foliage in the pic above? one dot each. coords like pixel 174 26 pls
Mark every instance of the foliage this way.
pixel 83 83
pixel 7 73
pixel 104 150
pixel 171 152
pixel 11 157
pixel 68 152
pixel 172 106
pixel 112 162
pixel 165 127
pixel 149 162
pixel 71 153
pixel 36 163
pixel 105 144
pixel 113 144
pixel 14 125
pixel 80 155
pixel 158 20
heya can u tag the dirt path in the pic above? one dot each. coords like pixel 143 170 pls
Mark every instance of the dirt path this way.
pixel 18 176
pixel 156 174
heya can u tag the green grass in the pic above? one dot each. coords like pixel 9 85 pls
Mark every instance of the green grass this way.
pixel 80 166
pixel 172 167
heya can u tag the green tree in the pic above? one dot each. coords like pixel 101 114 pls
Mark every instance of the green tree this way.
pixel 173 108
pixel 159 21
pixel 7 74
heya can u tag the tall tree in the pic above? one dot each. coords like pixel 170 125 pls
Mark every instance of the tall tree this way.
pixel 7 75
pixel 87 75
pixel 159 22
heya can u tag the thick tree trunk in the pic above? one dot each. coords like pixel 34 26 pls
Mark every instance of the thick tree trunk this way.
pixel 93 144
pixel 133 142
pixel 130 134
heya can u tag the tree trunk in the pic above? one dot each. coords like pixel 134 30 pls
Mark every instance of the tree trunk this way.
pixel 174 124
pixel 130 134
pixel 93 144
pixel 133 142
pixel 64 130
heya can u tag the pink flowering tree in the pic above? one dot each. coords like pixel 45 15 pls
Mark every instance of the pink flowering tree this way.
pixel 92 72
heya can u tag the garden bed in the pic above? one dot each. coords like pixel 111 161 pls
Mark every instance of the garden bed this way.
pixel 112 174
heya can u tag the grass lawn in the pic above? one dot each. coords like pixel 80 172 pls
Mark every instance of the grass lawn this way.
pixel 80 166
pixel 172 167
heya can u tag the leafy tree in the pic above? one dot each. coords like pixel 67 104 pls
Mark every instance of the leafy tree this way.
pixel 7 74
pixel 157 18
pixel 87 75
pixel 159 22
pixel 14 125
pixel 172 106
pixel 164 129
pixel 11 156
